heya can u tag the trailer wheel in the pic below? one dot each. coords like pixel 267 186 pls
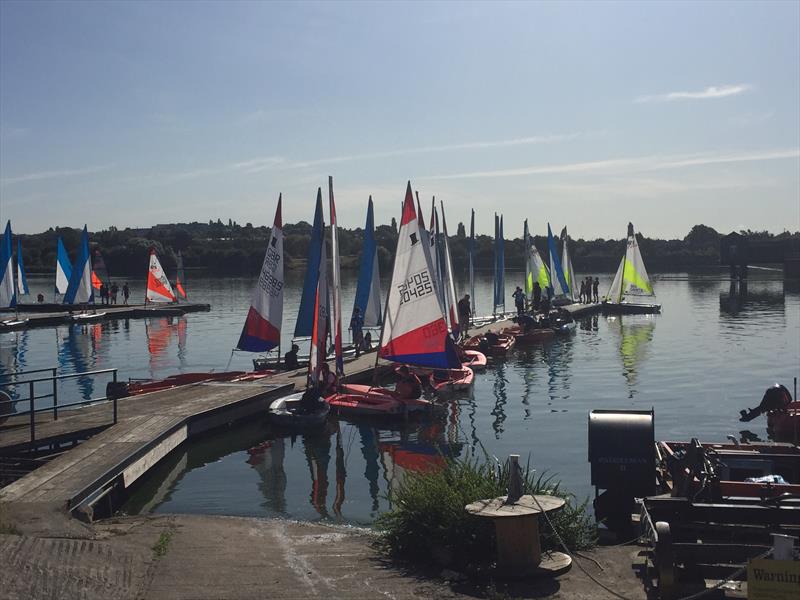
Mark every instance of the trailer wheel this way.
pixel 664 560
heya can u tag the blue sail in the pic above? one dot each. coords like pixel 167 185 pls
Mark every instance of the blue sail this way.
pixel 499 265
pixel 8 292
pixel 22 278
pixel 305 315
pixel 502 285
pixel 556 272
pixel 368 291
pixel 80 289
pixel 63 269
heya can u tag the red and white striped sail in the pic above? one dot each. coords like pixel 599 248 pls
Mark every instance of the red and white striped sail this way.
pixel 415 331
pixel 262 327
pixel 337 298
pixel 319 332
pixel 158 286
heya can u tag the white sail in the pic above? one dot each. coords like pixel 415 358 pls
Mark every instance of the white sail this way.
pixel 159 288
pixel 262 327
pixel 631 278
pixel 415 331
pixel 63 268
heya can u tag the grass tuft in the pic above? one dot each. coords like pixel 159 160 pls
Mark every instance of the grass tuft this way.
pixel 428 521
pixel 162 545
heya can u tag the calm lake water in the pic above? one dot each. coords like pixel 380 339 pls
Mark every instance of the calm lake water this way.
pixel 706 357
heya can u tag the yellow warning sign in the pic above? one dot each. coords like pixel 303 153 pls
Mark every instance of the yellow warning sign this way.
pixel 773 579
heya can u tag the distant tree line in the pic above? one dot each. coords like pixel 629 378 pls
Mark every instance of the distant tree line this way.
pixel 217 248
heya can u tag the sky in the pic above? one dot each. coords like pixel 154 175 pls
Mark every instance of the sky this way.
pixel 587 115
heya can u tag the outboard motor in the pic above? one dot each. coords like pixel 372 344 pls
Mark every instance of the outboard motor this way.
pixel 776 399
pixel 622 455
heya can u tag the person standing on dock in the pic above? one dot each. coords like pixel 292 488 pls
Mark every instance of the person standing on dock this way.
pixel 357 328
pixel 290 362
pixel 464 313
pixel 582 293
pixel 126 292
pixel 519 300
pixel 114 292
pixel 596 289
pixel 537 295
pixel 103 294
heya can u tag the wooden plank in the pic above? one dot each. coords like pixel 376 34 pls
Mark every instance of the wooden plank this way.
pixel 137 469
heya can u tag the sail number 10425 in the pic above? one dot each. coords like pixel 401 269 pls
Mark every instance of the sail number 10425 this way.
pixel 415 287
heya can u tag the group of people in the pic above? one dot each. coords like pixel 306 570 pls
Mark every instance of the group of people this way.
pixel 589 290
pixel 108 294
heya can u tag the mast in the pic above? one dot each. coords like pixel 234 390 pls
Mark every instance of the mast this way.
pixel 337 300
pixel 451 285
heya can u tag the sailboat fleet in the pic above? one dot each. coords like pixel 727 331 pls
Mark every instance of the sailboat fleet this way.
pixel 420 325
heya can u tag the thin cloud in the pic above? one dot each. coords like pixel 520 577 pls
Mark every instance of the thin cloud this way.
pixel 40 175
pixel 633 164
pixel 524 141
pixel 257 165
pixel 713 91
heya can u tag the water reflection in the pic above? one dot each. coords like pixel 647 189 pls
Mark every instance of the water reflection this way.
pixel 744 297
pixel 501 398
pixel 267 460
pixel 636 333
pixel 77 353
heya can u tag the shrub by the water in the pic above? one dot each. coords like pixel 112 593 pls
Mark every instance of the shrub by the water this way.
pixel 428 521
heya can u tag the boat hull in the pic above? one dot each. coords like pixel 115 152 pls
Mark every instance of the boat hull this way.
pixel 785 425
pixel 501 348
pixel 123 389
pixel 631 308
pixel 371 401
pixel 285 413
pixel 533 336
pixel 458 380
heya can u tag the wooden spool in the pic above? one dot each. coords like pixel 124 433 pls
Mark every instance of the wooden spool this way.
pixel 519 549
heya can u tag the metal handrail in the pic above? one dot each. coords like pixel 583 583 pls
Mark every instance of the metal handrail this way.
pixel 32 397
pixel 16 373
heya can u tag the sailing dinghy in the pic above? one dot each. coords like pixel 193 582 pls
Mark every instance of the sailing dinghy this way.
pixel 368 290
pixel 535 267
pixel 414 329
pixel 79 290
pixel 630 283
pixel 566 265
pixel 179 278
pixel 559 288
pixel 8 291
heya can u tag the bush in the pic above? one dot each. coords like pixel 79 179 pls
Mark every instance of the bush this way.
pixel 428 521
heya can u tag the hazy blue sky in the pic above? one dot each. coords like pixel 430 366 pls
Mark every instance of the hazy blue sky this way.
pixel 584 114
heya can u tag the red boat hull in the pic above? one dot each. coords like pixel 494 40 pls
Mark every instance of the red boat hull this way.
pixel 370 401
pixel 457 379
pixel 532 336
pixel 785 426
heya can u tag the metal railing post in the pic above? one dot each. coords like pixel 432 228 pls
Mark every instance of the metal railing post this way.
pixel 33 414
pixel 55 396
pixel 114 378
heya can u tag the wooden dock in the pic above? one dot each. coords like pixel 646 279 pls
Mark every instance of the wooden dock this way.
pixel 114 456
pixel 51 315
pixel 148 428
